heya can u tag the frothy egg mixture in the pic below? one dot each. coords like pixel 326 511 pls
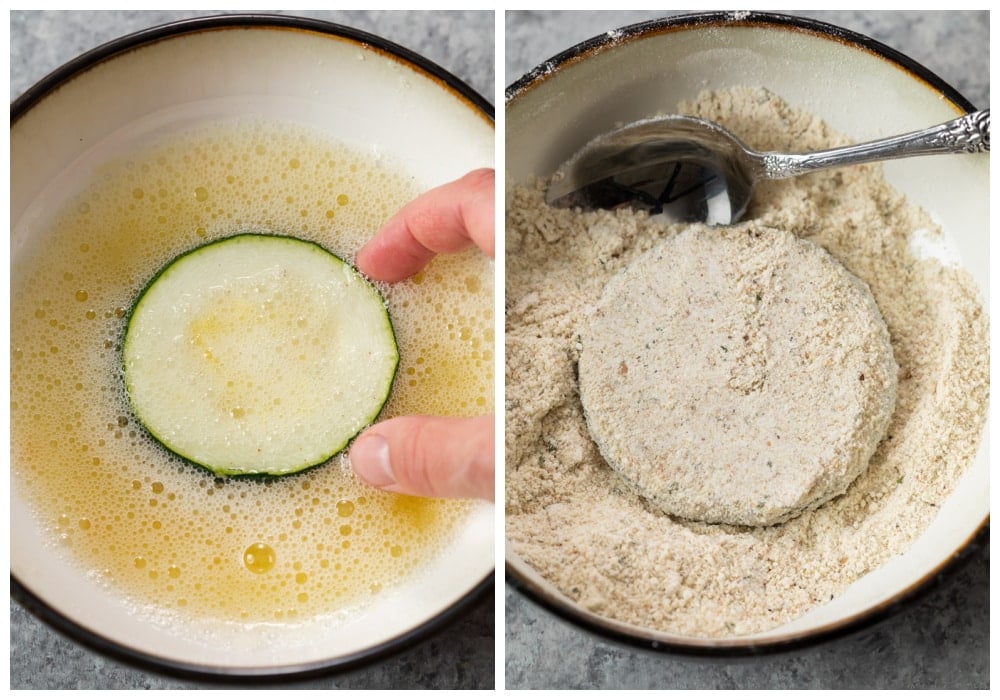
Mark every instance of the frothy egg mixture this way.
pixel 166 533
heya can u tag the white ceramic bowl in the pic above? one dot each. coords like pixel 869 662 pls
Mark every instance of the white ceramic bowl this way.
pixel 102 105
pixel 837 75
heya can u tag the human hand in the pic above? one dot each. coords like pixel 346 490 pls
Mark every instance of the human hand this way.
pixel 430 455
pixel 445 219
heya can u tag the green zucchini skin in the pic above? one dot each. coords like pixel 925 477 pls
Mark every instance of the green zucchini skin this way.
pixel 375 404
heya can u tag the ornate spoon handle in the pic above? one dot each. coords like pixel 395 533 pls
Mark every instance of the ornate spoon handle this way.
pixel 967 134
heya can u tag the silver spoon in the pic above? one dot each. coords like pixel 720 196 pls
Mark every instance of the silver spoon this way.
pixel 686 169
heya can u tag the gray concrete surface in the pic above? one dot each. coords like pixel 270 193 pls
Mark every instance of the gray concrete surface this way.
pixel 942 640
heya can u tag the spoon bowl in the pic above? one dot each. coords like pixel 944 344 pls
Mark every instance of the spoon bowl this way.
pixel 685 169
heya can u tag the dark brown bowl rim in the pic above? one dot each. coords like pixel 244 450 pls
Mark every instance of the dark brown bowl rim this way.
pixel 700 20
pixel 658 642
pixel 85 61
pixel 151 662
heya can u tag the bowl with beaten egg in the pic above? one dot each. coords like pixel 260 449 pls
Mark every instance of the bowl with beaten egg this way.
pixel 160 149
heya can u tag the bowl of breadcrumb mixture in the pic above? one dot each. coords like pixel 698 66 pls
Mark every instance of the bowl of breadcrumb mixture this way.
pixel 756 437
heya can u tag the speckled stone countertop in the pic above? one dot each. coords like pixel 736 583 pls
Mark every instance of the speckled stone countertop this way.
pixel 942 641
pixel 462 654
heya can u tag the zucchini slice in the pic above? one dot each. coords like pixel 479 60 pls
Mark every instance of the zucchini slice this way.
pixel 258 354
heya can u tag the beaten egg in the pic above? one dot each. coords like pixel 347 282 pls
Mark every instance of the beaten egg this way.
pixel 164 532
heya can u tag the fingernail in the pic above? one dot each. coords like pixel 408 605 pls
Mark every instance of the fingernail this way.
pixel 370 460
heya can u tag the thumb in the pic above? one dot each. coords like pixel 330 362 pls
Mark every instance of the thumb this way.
pixel 428 456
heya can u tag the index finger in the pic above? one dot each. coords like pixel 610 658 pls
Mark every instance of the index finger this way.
pixel 445 219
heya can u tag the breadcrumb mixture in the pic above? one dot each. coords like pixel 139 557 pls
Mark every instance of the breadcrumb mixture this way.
pixel 577 523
